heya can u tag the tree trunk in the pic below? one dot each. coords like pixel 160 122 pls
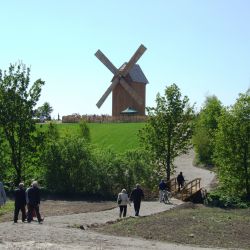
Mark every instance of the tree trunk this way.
pixel 168 166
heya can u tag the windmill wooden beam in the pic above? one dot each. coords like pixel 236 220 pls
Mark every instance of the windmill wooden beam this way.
pixel 122 77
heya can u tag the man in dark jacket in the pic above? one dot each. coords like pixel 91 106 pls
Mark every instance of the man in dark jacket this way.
pixel 136 196
pixel 180 181
pixel 33 197
pixel 20 202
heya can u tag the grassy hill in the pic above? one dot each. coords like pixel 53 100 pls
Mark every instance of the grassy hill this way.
pixel 117 136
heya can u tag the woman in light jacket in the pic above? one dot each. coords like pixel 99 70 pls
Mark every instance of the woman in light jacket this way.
pixel 2 194
pixel 123 201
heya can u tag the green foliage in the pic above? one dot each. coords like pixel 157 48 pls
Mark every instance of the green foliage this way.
pixel 168 130
pixel 8 207
pixel 17 100
pixel 220 198
pixel 44 111
pixel 84 130
pixel 52 132
pixel 117 171
pixel 205 128
pixel 232 148
pixel 68 166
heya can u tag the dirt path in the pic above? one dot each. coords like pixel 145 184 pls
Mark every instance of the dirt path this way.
pixel 62 232
pixel 185 164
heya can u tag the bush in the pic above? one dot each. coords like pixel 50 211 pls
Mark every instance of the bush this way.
pixel 219 199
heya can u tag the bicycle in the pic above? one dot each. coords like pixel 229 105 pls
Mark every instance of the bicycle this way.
pixel 166 196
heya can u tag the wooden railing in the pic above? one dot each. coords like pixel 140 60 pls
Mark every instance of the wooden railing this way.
pixel 190 188
pixel 172 185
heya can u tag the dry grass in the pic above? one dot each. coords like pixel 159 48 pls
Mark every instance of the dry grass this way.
pixel 197 225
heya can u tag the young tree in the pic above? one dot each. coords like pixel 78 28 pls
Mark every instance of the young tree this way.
pixel 205 128
pixel 17 100
pixel 84 130
pixel 232 148
pixel 169 128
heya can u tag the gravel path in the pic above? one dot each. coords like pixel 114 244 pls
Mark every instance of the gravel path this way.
pixel 185 164
pixel 62 232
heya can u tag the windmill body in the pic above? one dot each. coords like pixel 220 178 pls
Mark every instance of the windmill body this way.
pixel 128 85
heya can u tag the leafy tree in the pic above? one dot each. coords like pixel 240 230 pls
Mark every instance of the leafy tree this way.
pixel 45 110
pixel 17 100
pixel 232 148
pixel 205 128
pixel 169 128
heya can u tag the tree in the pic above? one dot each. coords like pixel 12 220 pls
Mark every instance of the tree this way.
pixel 17 100
pixel 205 128
pixel 45 110
pixel 232 148
pixel 169 128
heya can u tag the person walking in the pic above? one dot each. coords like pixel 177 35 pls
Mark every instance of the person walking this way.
pixel 123 201
pixel 180 181
pixel 3 197
pixel 136 196
pixel 20 202
pixel 162 189
pixel 33 197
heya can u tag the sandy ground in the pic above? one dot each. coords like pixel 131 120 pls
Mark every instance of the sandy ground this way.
pixel 185 164
pixel 62 232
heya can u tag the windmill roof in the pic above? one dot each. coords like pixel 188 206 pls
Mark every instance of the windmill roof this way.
pixel 129 110
pixel 136 73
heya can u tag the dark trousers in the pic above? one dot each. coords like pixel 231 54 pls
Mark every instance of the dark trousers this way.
pixel 180 185
pixel 16 212
pixel 31 208
pixel 123 209
pixel 137 205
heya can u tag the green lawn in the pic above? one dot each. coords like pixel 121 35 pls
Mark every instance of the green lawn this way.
pixel 117 136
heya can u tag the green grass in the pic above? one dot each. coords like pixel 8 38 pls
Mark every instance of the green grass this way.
pixel 8 207
pixel 116 136
pixel 202 226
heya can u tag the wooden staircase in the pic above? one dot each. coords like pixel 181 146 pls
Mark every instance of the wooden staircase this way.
pixel 191 191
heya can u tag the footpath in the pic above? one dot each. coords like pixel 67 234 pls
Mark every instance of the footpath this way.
pixel 62 232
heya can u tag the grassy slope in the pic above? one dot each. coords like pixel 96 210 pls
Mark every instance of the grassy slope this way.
pixel 117 136
pixel 202 226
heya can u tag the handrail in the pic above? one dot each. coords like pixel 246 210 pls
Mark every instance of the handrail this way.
pixel 172 185
pixel 190 188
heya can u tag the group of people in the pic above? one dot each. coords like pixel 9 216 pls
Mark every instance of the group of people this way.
pixel 123 200
pixel 29 197
pixel 137 194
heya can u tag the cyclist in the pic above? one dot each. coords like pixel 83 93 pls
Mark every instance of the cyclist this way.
pixel 162 189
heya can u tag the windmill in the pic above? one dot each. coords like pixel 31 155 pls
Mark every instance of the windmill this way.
pixel 128 85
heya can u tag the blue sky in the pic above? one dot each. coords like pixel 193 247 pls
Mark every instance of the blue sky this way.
pixel 202 46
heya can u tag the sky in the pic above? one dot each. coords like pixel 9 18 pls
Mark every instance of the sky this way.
pixel 202 46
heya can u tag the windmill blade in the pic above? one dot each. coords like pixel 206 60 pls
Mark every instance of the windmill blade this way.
pixel 107 92
pixel 106 61
pixel 139 52
pixel 131 91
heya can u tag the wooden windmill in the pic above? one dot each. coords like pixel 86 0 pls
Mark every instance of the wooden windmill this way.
pixel 128 85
